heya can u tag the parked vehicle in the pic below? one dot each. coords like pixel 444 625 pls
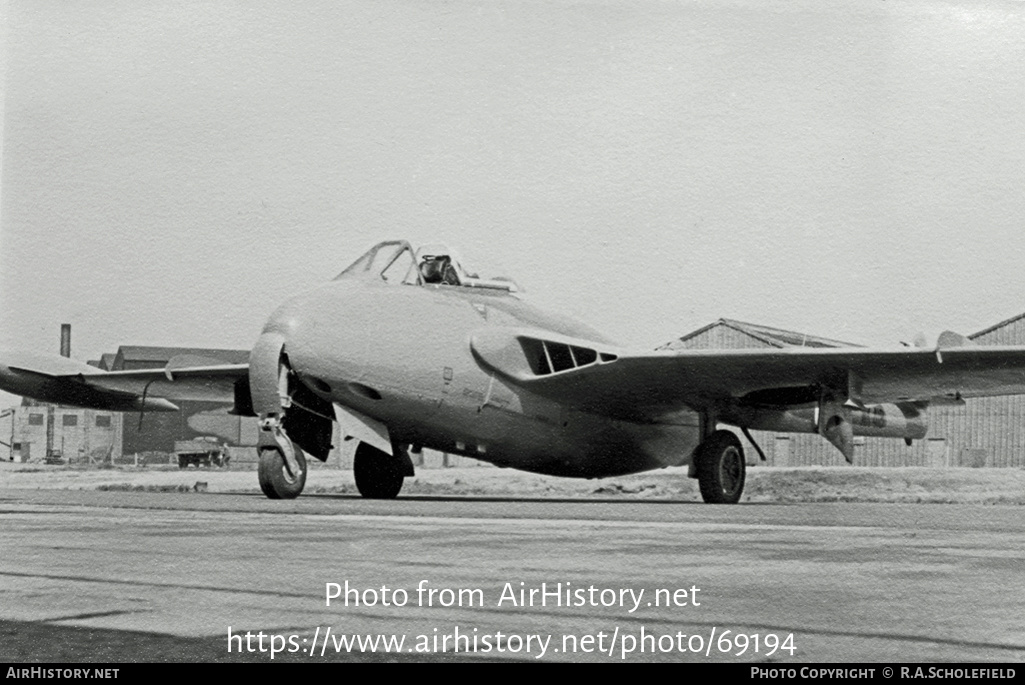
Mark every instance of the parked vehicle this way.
pixel 202 451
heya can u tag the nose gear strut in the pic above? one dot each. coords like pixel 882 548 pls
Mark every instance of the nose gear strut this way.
pixel 282 468
pixel 273 436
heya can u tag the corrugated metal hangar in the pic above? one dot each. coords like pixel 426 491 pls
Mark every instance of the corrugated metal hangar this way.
pixel 157 431
pixel 983 432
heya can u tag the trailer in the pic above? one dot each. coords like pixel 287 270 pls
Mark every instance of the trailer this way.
pixel 203 451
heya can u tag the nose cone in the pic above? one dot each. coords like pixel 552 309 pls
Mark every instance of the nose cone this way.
pixel 295 324
pixel 288 318
pixel 318 332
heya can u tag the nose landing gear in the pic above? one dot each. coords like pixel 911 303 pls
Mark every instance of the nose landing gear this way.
pixel 282 470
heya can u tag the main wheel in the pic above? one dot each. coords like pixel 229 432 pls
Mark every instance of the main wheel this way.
pixel 378 474
pixel 276 481
pixel 721 468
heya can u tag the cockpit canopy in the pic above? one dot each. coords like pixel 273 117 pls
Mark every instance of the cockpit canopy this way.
pixel 396 262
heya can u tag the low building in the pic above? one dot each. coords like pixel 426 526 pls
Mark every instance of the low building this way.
pixel 45 432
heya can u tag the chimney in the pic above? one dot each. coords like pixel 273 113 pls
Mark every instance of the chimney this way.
pixel 65 340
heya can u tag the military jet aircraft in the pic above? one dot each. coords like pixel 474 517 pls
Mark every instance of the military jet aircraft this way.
pixel 405 349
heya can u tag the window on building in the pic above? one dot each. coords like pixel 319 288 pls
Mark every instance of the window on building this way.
pixel 102 421
pixel 70 419
pixel 35 419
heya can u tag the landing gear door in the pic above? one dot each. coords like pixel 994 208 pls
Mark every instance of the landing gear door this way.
pixel 264 374
pixel 353 424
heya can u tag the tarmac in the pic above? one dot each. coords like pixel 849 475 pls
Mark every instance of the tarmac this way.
pixel 125 576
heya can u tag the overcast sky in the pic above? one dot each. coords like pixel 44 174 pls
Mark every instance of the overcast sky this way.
pixel 172 171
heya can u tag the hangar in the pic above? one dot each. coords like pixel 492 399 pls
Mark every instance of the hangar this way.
pixel 157 431
pixel 984 432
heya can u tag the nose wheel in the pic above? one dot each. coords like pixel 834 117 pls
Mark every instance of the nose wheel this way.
pixel 277 480
pixel 282 470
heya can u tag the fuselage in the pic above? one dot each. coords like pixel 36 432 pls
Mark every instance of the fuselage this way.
pixel 401 355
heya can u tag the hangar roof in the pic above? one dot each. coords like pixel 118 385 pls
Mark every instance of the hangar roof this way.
pixel 758 335
pixel 142 357
pixel 996 327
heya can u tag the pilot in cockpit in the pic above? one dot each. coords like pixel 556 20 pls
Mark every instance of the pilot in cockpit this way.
pixel 438 269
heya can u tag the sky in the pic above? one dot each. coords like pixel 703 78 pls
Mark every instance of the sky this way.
pixel 172 171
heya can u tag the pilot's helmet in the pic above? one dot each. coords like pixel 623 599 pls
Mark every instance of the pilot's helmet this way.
pixel 433 268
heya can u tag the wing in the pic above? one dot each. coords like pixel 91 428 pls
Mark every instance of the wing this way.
pixel 56 379
pixel 633 385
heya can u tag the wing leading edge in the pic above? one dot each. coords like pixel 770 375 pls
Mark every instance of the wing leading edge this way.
pixel 65 381
pixel 639 385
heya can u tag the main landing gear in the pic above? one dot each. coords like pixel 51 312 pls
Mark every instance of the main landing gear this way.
pixel 720 468
pixel 378 474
